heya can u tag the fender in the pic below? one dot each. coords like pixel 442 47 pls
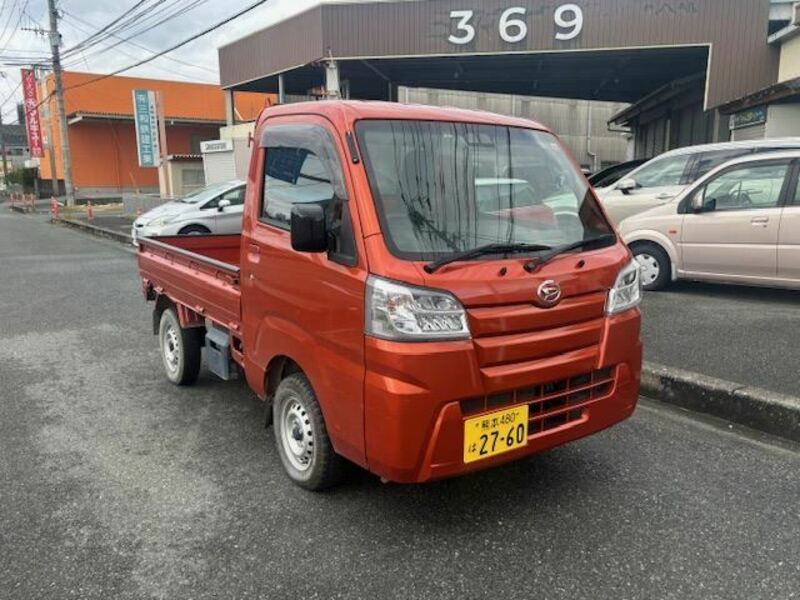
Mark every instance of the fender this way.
pixel 322 365
pixel 652 235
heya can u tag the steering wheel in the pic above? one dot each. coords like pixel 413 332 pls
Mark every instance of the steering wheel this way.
pixel 743 199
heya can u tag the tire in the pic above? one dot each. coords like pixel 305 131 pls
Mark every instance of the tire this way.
pixel 656 266
pixel 180 349
pixel 301 437
pixel 194 230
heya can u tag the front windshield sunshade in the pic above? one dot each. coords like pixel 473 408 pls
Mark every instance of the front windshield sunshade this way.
pixel 444 188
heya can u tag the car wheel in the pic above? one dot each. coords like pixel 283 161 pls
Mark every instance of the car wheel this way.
pixel 194 230
pixel 180 349
pixel 302 439
pixel 655 266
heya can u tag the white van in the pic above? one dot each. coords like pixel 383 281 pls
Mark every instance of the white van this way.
pixel 658 181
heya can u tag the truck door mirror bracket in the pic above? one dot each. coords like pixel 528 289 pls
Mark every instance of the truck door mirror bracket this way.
pixel 308 228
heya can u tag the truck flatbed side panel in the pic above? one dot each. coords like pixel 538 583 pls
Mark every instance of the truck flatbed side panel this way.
pixel 199 281
pixel 224 248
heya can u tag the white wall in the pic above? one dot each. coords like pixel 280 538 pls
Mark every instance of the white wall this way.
pixel 783 120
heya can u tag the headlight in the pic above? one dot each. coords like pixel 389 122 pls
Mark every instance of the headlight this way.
pixel 627 291
pixel 160 222
pixel 401 312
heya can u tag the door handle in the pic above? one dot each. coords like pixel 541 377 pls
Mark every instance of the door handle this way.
pixel 763 221
pixel 665 196
pixel 254 249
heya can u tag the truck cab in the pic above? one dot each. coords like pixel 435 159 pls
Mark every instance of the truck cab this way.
pixel 395 313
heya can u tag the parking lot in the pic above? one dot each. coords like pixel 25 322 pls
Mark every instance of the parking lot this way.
pixel 117 484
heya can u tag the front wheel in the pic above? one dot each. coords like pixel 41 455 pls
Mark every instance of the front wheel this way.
pixel 180 349
pixel 654 264
pixel 302 439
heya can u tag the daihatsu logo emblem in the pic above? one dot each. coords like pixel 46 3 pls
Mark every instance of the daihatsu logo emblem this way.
pixel 549 293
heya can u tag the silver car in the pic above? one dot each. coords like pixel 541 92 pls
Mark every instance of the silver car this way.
pixel 215 209
pixel 738 224
pixel 660 180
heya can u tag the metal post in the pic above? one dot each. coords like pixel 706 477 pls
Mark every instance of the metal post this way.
pixel 281 90
pixel 230 116
pixel 332 88
pixel 55 40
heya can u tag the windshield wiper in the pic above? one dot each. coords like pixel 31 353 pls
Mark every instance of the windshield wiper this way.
pixel 483 250
pixel 601 240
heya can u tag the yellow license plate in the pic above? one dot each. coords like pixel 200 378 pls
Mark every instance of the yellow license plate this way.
pixel 495 433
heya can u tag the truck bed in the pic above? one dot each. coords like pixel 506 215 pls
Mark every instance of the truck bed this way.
pixel 201 272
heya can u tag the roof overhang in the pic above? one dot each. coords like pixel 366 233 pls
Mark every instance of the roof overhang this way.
pixel 80 116
pixel 402 42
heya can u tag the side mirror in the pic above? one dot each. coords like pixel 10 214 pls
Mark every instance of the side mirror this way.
pixel 308 229
pixel 222 205
pixel 699 203
pixel 627 185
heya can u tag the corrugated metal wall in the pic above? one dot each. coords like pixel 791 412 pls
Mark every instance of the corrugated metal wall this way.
pixel 567 118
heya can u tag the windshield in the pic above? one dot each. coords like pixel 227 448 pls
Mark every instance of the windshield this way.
pixel 661 172
pixel 206 193
pixel 442 188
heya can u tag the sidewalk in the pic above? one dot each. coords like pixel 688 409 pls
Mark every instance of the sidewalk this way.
pixel 747 336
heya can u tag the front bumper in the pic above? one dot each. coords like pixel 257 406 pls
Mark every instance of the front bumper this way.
pixel 418 395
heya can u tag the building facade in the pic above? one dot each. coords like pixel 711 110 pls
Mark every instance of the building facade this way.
pixel 102 135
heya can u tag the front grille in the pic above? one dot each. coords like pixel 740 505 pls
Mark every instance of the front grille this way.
pixel 550 405
pixel 521 333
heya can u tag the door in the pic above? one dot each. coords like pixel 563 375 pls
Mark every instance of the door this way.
pixel 735 236
pixel 309 307
pixel 789 237
pixel 229 219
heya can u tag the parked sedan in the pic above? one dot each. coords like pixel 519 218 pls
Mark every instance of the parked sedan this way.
pixel 213 209
pixel 658 181
pixel 738 224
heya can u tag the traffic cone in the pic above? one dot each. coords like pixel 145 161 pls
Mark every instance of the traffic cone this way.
pixel 89 211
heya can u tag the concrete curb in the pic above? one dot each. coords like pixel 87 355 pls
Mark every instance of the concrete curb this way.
pixel 770 412
pixel 94 230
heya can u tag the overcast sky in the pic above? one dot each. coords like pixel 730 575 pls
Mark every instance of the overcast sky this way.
pixel 82 17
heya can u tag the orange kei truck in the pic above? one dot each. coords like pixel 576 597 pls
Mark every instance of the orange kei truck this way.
pixel 423 292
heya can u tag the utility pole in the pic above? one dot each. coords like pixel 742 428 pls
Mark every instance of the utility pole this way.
pixel 66 158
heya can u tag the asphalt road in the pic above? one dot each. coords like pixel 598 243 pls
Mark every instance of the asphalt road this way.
pixel 741 334
pixel 115 484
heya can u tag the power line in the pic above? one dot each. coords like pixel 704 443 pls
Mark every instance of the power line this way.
pixel 174 47
pixel 148 23
pixel 73 18
pixel 105 27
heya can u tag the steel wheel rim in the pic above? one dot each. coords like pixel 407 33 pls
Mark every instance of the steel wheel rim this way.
pixel 172 348
pixel 649 268
pixel 297 434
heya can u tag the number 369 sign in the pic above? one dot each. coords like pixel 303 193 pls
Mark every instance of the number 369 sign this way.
pixel 513 25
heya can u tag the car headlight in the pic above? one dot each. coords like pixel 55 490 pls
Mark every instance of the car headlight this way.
pixel 160 221
pixel 395 311
pixel 627 290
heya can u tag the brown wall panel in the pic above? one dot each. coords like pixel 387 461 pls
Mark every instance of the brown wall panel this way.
pixel 742 61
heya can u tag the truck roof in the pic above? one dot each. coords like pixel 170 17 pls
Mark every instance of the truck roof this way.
pixel 350 111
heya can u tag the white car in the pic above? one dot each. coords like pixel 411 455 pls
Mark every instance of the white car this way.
pixel 738 224
pixel 658 181
pixel 214 209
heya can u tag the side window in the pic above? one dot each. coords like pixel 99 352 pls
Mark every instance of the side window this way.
pixel 302 166
pixel 236 196
pixel 660 172
pixel 708 161
pixel 746 188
